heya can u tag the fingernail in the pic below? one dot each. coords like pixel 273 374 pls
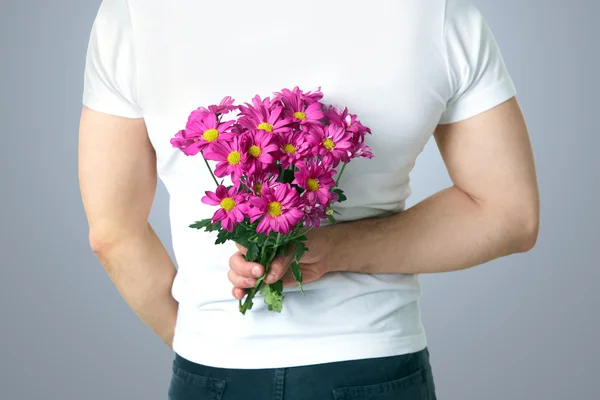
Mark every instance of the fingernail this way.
pixel 251 281
pixel 256 271
pixel 271 278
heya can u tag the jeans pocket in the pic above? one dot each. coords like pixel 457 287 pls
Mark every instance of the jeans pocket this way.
pixel 188 386
pixel 411 387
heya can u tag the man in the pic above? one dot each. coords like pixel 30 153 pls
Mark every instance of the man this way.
pixel 411 69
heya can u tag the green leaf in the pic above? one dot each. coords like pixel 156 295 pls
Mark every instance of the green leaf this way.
pixel 253 252
pixel 241 235
pixel 274 296
pixel 280 251
pixel 287 176
pixel 261 239
pixel 331 219
pixel 204 224
pixel 297 272
pixel 340 193
pixel 223 236
pixel 299 250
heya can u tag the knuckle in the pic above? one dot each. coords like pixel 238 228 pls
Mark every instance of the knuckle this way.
pixel 237 263
pixel 234 259
pixel 240 281
pixel 232 276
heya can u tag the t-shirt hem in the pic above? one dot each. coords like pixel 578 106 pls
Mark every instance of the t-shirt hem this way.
pixel 478 102
pixel 243 355
pixel 109 109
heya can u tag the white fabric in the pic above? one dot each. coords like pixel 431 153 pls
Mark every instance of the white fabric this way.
pixel 403 66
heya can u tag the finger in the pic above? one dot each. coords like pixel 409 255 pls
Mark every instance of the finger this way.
pixel 238 293
pixel 241 248
pixel 245 268
pixel 240 281
pixel 278 268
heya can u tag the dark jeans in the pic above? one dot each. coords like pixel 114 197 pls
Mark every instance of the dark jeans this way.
pixel 406 377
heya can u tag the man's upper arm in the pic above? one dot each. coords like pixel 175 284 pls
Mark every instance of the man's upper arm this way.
pixel 117 173
pixel 489 157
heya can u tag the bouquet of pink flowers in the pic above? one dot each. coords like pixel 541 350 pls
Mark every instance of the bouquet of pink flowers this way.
pixel 280 155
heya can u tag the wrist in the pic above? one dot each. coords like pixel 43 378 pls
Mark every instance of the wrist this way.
pixel 339 254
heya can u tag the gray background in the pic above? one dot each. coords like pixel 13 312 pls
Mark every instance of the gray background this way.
pixel 523 327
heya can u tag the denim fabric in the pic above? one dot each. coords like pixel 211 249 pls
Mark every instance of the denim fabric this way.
pixel 405 377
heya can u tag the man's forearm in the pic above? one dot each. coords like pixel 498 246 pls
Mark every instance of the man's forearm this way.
pixel 446 232
pixel 143 272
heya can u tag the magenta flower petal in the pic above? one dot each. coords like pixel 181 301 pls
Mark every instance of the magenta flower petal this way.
pixel 280 209
pixel 221 192
pixel 220 215
pixel 264 226
pixel 233 206
pixel 211 199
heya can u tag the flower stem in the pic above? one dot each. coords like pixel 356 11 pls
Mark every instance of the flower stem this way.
pixel 302 234
pixel 209 169
pixel 247 304
pixel 337 181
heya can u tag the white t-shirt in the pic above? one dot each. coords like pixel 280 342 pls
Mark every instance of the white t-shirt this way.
pixel 403 66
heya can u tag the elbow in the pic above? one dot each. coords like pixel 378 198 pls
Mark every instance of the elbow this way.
pixel 524 231
pixel 105 240
pixel 528 236
pixel 101 242
pixel 108 236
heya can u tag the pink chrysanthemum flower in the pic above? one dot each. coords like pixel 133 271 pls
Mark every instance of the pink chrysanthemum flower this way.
pixel 313 215
pixel 332 142
pixel 292 148
pixel 234 206
pixel 312 96
pixel 266 177
pixel 204 129
pixel 182 142
pixel 260 147
pixel 264 115
pixel 238 129
pixel 317 180
pixel 308 97
pixel 229 156
pixel 224 107
pixel 361 150
pixel 299 111
pixel 349 122
pixel 280 209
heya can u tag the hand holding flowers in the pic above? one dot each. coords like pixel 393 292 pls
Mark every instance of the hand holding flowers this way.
pixel 280 156
pixel 314 264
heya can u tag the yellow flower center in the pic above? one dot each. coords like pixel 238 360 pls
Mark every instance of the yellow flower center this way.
pixel 211 135
pixel 312 184
pixel 265 127
pixel 255 151
pixel 289 148
pixel 257 188
pixel 228 204
pixel 300 115
pixel 234 158
pixel 274 209
pixel 328 144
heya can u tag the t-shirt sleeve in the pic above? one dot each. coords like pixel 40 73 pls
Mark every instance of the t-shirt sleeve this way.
pixel 110 67
pixel 477 74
